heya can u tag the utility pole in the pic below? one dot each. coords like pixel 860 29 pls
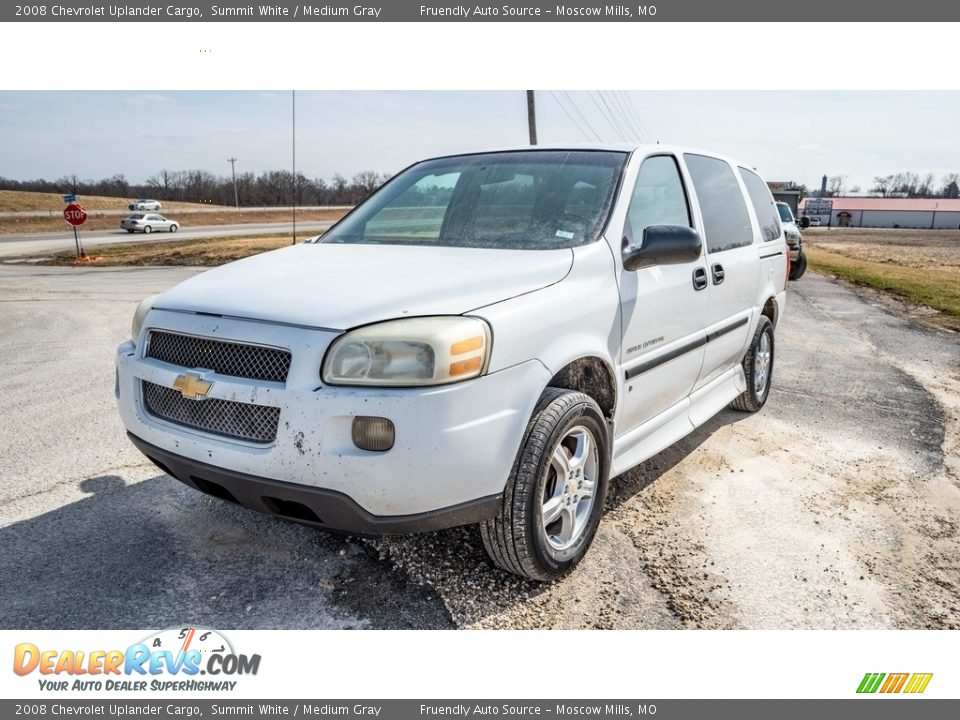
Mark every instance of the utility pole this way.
pixel 233 171
pixel 293 112
pixel 532 117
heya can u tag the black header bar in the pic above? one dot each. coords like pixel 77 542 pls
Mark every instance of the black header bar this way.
pixel 808 11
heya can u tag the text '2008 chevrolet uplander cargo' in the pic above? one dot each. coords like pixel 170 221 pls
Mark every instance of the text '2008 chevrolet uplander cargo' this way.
pixel 489 339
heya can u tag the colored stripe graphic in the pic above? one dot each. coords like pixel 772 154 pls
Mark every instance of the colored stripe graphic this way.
pixel 895 683
pixel 870 682
pixel 918 682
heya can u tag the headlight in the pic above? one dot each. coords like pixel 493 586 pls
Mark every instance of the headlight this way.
pixel 140 315
pixel 410 352
pixel 792 236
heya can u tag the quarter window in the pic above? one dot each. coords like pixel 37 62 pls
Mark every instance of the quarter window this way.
pixel 763 205
pixel 726 222
pixel 658 198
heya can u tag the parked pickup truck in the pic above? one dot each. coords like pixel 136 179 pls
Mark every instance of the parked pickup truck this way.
pixel 489 338
pixel 794 238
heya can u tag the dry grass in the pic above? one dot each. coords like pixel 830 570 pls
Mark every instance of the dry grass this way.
pixel 19 201
pixel 18 225
pixel 920 266
pixel 207 252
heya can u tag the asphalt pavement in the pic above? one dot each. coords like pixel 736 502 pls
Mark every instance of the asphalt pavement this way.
pixel 836 506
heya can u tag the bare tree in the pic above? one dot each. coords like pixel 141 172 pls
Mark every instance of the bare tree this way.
pixel 882 184
pixel 835 185
pixel 951 186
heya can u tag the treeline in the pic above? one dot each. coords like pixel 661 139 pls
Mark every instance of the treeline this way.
pixel 901 185
pixel 273 187
pixel 913 185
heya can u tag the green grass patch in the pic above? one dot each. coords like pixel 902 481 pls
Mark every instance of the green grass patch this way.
pixel 937 289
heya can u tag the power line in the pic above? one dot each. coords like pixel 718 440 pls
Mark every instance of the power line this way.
pixel 626 130
pixel 567 112
pixel 639 119
pixel 612 122
pixel 621 108
pixel 576 109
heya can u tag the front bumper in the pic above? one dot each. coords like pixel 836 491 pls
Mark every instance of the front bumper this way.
pixel 454 449
pixel 328 509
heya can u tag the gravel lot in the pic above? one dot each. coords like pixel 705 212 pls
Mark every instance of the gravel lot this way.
pixel 837 506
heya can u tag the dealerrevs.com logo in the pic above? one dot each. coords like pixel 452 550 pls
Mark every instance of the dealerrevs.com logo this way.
pixel 173 659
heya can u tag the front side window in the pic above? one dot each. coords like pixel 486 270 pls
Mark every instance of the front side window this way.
pixel 726 222
pixel 528 200
pixel 763 205
pixel 658 198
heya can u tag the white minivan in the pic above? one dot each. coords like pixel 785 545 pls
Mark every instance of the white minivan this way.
pixel 489 338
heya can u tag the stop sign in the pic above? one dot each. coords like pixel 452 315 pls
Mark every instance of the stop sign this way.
pixel 74 214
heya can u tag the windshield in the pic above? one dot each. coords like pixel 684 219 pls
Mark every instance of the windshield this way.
pixel 785 214
pixel 528 200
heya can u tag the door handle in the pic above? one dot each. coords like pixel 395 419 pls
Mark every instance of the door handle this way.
pixel 718 273
pixel 699 278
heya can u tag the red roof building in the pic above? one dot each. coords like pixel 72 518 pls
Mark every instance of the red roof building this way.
pixel 928 213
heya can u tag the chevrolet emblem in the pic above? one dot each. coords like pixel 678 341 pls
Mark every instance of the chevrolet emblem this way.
pixel 192 386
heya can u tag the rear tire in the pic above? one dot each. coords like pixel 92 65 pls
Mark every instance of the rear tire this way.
pixel 798 268
pixel 555 494
pixel 758 368
pixel 147 230
pixel 129 231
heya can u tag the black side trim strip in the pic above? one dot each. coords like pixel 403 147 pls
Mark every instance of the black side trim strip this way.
pixel 727 328
pixel 764 257
pixel 666 357
pixel 683 349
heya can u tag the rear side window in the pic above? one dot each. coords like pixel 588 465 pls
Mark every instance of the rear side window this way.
pixel 726 222
pixel 658 198
pixel 763 205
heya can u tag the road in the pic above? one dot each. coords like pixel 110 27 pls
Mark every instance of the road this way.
pixel 837 506
pixel 179 211
pixel 38 244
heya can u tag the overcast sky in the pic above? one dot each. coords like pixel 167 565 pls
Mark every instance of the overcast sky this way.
pixel 786 135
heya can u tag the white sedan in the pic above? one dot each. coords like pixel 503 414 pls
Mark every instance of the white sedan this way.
pixel 148 222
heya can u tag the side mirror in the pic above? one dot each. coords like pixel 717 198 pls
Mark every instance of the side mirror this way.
pixel 663 245
pixel 804 222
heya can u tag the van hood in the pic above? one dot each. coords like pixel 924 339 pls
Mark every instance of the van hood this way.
pixel 339 287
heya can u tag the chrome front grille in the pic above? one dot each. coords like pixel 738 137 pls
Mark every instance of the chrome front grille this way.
pixel 223 357
pixel 241 421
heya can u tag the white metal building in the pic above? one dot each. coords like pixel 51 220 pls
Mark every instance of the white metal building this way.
pixel 931 213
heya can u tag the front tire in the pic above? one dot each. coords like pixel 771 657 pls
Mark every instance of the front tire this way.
pixel 798 268
pixel 554 496
pixel 173 228
pixel 758 368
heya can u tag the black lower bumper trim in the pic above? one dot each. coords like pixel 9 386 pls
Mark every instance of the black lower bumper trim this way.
pixel 319 507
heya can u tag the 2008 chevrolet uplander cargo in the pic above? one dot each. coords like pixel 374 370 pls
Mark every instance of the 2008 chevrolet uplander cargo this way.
pixel 489 339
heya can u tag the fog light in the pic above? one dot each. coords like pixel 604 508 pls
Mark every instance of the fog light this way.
pixel 373 433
